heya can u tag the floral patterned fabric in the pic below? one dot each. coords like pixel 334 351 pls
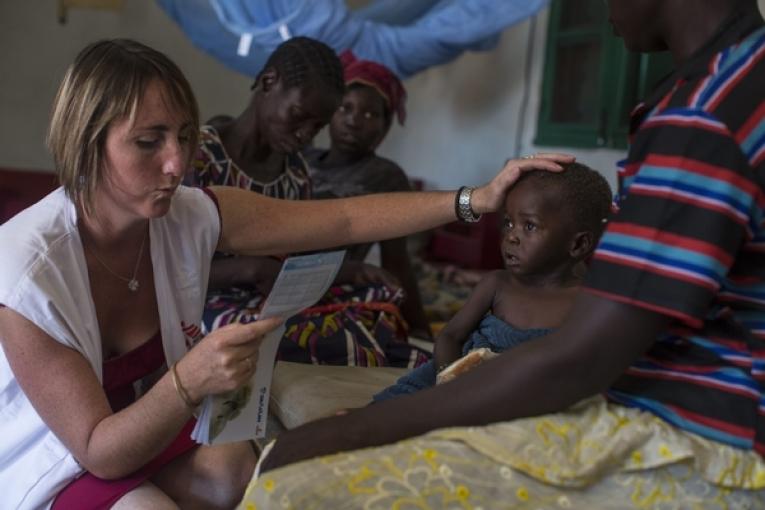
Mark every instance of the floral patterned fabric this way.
pixel 353 326
pixel 595 455
pixel 212 166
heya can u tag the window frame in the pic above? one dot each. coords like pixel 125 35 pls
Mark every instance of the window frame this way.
pixel 623 77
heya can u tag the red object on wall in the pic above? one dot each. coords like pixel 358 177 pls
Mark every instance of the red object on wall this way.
pixel 469 245
pixel 21 188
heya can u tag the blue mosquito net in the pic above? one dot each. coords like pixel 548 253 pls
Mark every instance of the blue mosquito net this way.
pixel 407 36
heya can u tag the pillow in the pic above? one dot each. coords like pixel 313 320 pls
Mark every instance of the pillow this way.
pixel 301 392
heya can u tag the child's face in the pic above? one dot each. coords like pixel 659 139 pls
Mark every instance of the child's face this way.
pixel 537 235
pixel 359 125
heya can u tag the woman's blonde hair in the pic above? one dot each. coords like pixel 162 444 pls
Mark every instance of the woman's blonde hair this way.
pixel 105 83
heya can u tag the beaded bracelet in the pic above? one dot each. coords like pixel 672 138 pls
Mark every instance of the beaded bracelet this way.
pixel 180 389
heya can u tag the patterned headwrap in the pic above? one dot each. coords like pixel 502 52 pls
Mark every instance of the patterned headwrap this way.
pixel 380 78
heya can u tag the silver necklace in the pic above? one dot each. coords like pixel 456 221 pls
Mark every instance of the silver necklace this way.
pixel 132 282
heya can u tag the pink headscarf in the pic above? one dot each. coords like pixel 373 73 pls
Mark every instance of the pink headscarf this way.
pixel 380 78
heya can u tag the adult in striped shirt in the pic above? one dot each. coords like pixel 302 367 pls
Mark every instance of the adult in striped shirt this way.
pixel 671 320
pixel 689 242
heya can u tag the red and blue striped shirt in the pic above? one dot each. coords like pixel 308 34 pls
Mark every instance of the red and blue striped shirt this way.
pixel 689 240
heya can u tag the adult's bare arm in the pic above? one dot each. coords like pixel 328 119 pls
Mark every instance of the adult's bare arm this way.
pixel 596 343
pixel 253 224
pixel 64 390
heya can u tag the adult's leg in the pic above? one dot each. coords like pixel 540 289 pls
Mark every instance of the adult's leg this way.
pixel 209 476
pixel 146 496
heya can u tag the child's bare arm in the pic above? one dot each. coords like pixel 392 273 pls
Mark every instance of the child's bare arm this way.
pixel 449 342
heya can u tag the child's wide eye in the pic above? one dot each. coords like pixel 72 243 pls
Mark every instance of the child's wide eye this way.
pixel 507 223
pixel 530 227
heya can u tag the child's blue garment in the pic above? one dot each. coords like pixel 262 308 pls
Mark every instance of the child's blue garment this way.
pixel 492 332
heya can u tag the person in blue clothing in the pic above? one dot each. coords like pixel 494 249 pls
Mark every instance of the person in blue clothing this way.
pixel 552 223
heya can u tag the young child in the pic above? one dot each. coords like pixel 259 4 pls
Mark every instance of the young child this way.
pixel 552 224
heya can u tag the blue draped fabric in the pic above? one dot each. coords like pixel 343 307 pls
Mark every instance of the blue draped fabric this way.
pixel 407 36
pixel 492 333
pixel 394 12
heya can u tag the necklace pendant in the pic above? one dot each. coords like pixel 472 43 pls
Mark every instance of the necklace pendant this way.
pixel 133 285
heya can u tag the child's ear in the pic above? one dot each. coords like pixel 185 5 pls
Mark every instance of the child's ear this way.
pixel 581 245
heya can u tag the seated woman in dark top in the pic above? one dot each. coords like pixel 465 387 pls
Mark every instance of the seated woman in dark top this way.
pixel 351 167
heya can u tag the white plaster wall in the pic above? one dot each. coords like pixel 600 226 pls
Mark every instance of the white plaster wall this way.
pixel 463 117
pixel 35 51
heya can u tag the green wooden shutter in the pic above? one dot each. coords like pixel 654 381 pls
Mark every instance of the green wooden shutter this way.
pixel 590 81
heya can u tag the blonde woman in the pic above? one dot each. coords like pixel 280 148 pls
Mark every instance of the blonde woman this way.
pixel 103 284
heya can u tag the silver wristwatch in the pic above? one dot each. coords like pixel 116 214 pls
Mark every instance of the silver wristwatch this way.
pixel 463 207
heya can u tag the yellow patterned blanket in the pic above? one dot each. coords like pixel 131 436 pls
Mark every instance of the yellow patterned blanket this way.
pixel 596 455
